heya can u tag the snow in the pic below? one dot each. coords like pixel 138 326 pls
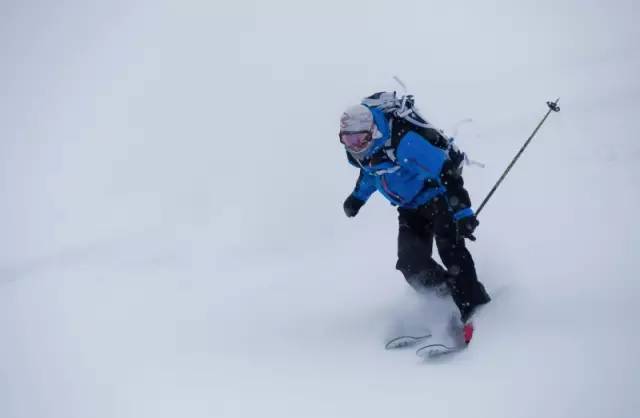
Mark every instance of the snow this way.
pixel 173 239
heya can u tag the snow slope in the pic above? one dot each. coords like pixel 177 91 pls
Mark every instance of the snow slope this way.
pixel 173 239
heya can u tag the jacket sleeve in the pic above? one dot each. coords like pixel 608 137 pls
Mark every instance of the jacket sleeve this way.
pixel 439 165
pixel 365 186
pixel 366 183
pixel 451 179
pixel 418 155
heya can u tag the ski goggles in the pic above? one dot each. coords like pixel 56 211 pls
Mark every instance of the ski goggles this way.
pixel 356 141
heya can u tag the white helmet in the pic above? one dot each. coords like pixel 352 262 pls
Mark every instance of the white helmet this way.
pixel 357 128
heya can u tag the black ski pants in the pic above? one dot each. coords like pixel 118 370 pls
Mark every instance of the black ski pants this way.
pixel 417 230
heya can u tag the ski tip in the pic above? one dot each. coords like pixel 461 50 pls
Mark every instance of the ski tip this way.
pixel 433 351
pixel 405 341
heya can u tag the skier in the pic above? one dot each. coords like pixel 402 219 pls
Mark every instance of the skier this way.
pixel 418 169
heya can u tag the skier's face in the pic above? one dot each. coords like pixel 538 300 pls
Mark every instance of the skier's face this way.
pixel 356 141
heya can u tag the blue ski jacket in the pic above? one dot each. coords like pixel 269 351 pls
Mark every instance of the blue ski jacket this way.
pixel 410 170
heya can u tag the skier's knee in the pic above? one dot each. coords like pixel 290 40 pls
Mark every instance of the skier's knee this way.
pixel 425 278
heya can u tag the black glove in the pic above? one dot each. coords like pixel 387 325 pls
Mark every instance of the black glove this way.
pixel 352 205
pixel 466 226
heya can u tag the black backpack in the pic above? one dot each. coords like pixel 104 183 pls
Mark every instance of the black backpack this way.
pixel 404 117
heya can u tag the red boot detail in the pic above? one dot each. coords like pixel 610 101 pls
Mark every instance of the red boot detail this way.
pixel 467 332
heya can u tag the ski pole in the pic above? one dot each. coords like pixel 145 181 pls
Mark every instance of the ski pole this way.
pixel 553 107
